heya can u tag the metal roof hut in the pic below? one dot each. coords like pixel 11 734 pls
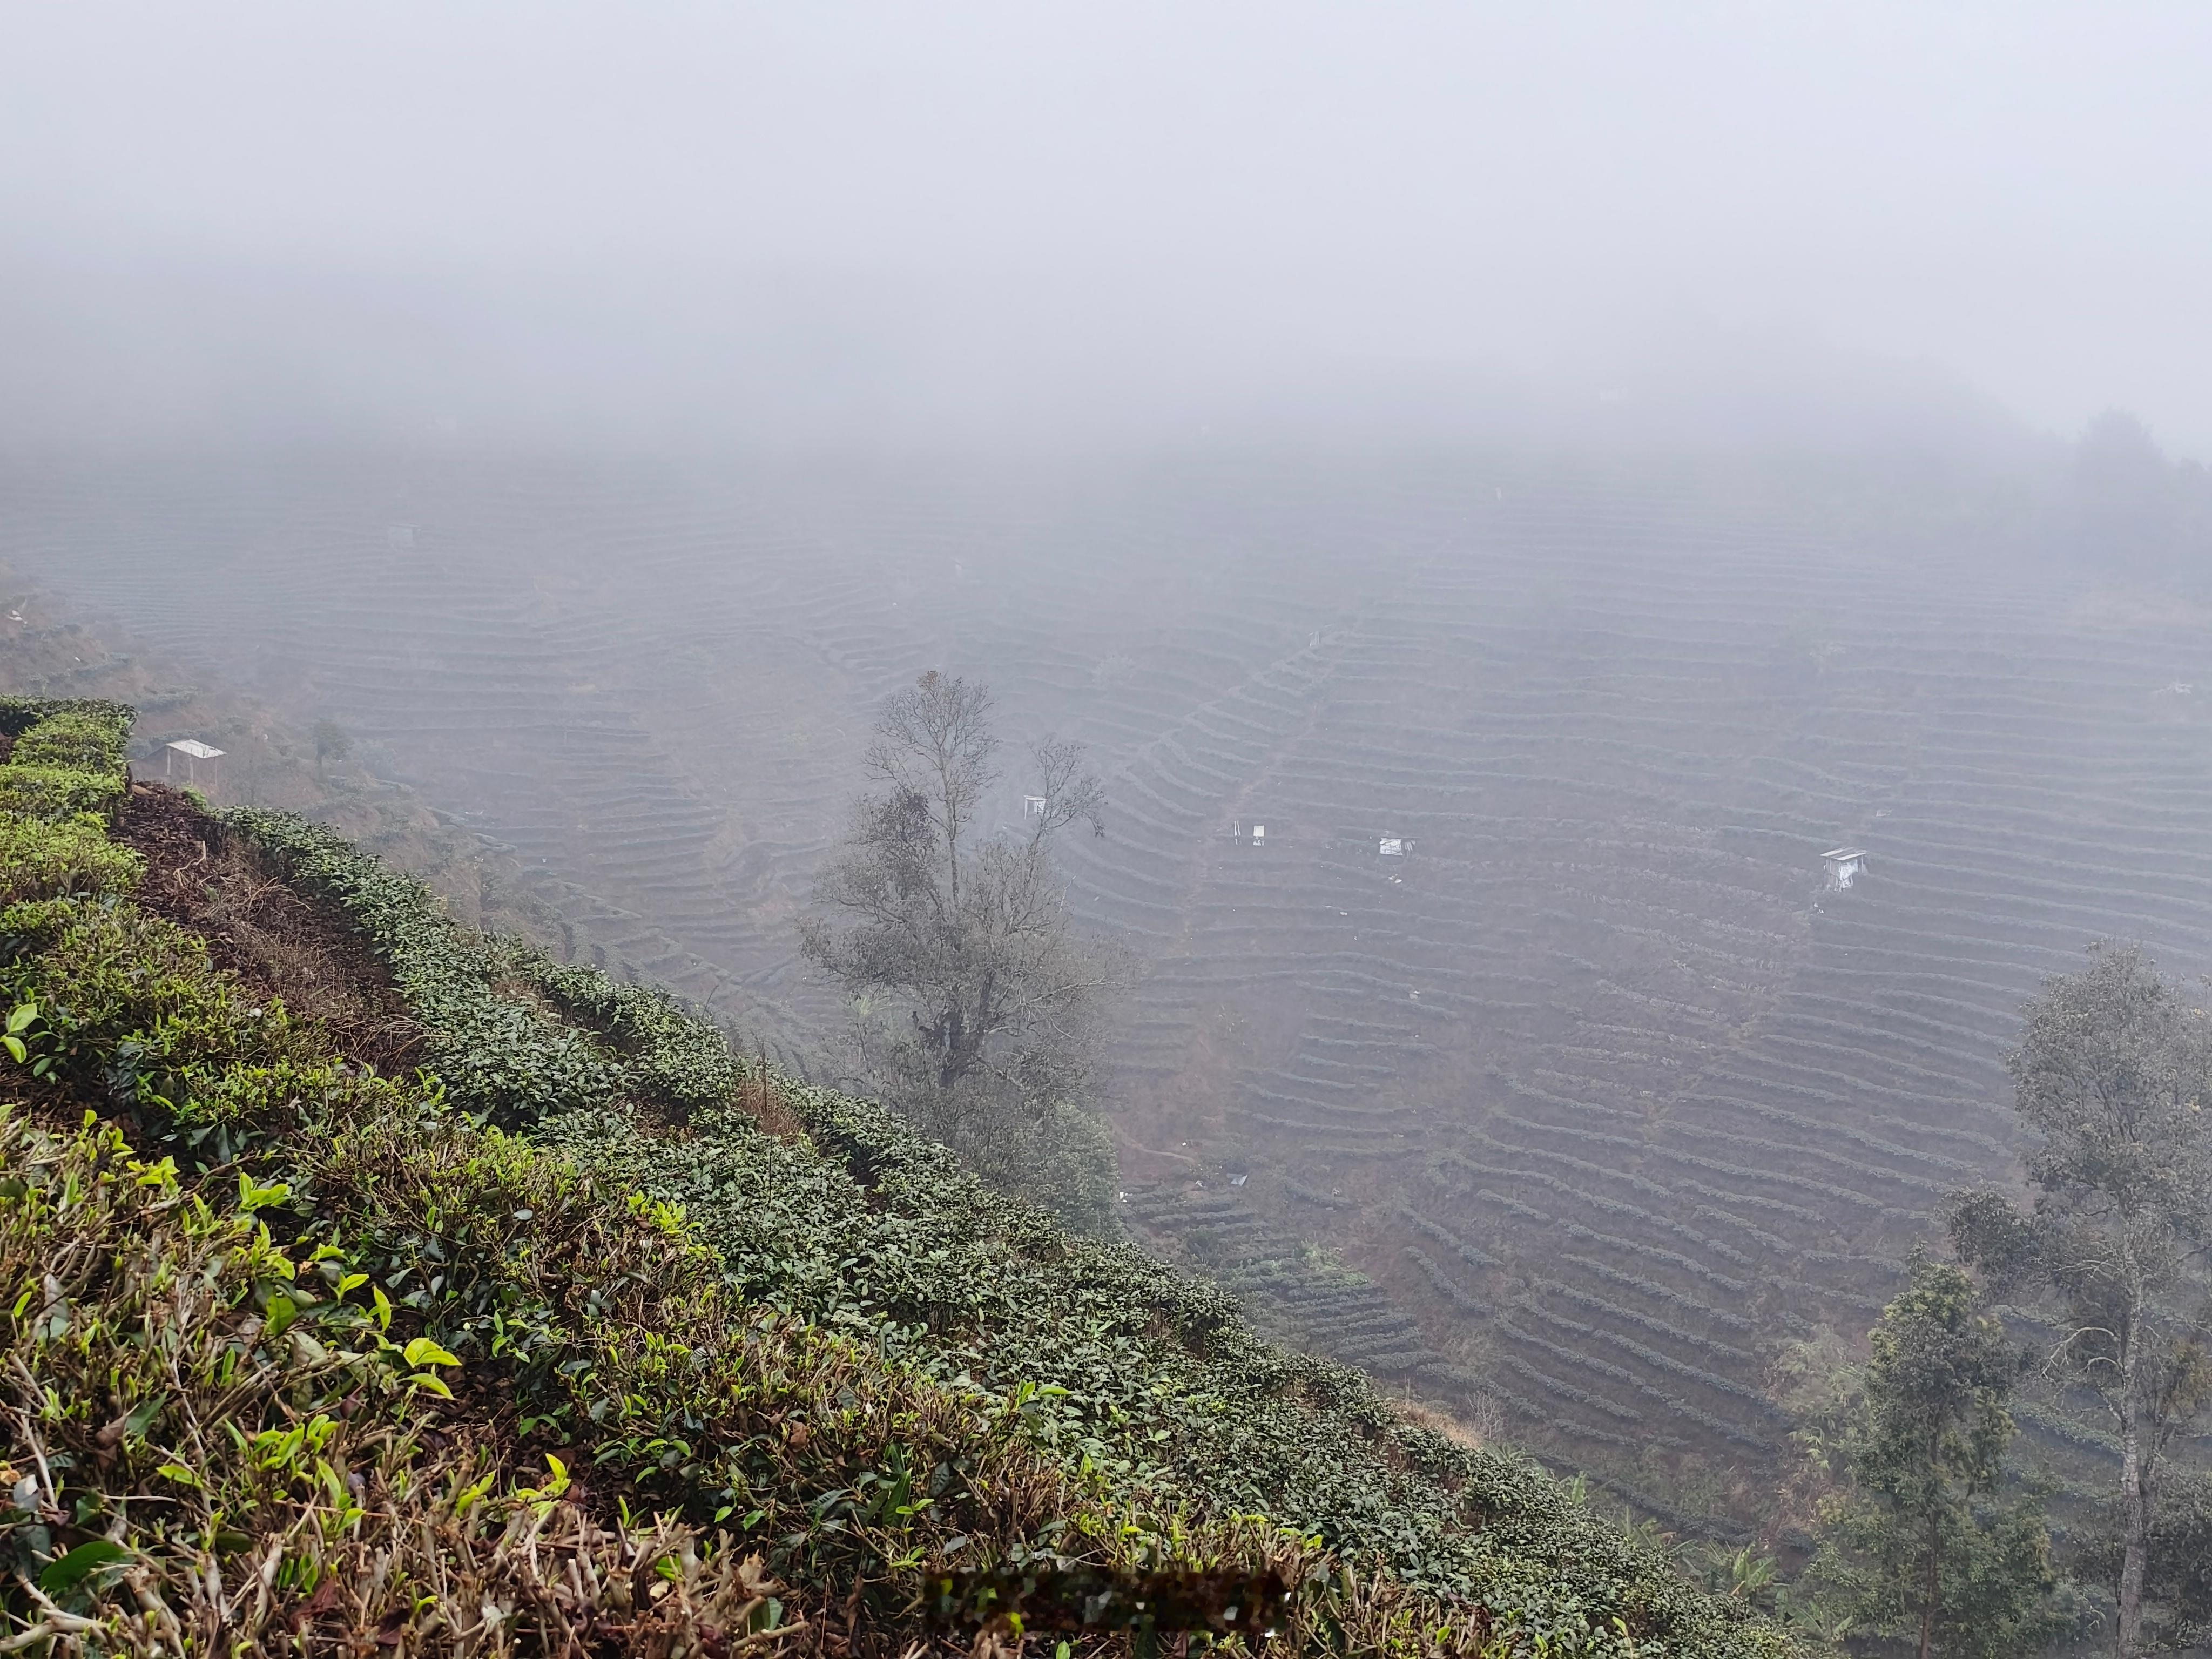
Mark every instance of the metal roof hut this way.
pixel 190 762
pixel 1845 864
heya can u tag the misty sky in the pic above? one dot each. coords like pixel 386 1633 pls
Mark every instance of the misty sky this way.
pixel 840 214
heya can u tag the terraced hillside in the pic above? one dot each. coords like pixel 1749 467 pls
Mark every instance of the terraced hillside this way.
pixel 1592 1085
pixel 712 1360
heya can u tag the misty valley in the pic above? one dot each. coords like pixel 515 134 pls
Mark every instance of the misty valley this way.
pixel 1582 907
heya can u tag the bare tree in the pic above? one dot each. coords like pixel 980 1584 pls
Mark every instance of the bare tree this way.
pixel 2113 1072
pixel 977 1008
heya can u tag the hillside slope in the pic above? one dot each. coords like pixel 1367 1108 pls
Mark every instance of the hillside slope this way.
pixel 1620 711
pixel 587 1333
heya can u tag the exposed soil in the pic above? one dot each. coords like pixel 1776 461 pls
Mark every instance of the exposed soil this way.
pixel 282 943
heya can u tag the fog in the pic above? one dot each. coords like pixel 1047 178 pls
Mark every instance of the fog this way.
pixel 1019 224
pixel 1517 502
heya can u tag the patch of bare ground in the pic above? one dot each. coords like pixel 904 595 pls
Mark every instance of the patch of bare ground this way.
pixel 1474 1431
pixel 761 1100
pixel 282 943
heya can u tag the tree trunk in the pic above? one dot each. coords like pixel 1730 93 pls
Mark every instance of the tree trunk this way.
pixel 951 1064
pixel 1928 1608
pixel 950 797
pixel 2135 1529
pixel 2134 1510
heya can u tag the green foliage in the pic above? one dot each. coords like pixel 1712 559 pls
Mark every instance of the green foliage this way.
pixel 504 1056
pixel 2112 1074
pixel 606 1321
pixel 55 792
pixel 888 1385
pixel 21 1036
pixel 67 759
pixel 1933 1421
pixel 42 860
pixel 1055 1154
pixel 73 740
pixel 65 772
pixel 2181 1559
pixel 615 1333
pixel 135 1014
pixel 214 1440
pixel 1126 1374
pixel 1919 1547
pixel 19 715
pixel 671 1056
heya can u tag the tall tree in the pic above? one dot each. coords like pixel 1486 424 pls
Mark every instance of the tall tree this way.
pixel 977 1007
pixel 1918 1545
pixel 2112 1074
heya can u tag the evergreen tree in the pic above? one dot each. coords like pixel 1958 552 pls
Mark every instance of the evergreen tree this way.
pixel 1919 1545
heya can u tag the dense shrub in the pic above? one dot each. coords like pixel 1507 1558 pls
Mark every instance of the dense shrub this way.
pixel 239 1437
pixel 64 771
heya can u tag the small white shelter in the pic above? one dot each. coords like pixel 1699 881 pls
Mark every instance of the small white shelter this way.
pixel 1259 835
pixel 400 536
pixel 1393 846
pixel 190 762
pixel 1032 806
pixel 1845 864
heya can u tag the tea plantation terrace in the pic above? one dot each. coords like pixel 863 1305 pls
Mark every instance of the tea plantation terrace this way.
pixel 569 1321
pixel 1605 999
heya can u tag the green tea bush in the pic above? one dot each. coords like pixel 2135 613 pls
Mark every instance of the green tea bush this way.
pixel 19 714
pixel 228 1411
pixel 56 791
pixel 67 759
pixel 672 1057
pixel 73 740
pixel 1125 1374
pixel 219 1444
pixel 134 1012
pixel 222 1442
pixel 41 860
pixel 502 1057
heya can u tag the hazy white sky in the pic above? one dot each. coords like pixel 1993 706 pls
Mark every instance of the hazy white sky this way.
pixel 914 200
